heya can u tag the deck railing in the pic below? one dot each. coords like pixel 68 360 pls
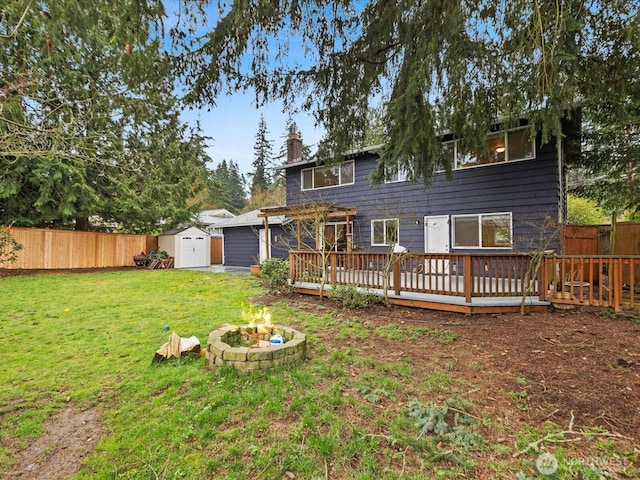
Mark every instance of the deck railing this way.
pixel 464 275
pixel 601 281
pixel 579 280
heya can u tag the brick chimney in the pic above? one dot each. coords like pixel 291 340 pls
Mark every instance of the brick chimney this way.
pixel 294 146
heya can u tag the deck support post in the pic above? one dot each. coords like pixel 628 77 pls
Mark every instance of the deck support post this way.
pixel 333 262
pixel 396 274
pixel 543 279
pixel 616 276
pixel 292 267
pixel 266 237
pixel 467 278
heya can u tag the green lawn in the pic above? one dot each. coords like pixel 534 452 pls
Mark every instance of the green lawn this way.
pixel 88 340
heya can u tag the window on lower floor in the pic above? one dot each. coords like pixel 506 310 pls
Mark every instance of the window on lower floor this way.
pixel 489 230
pixel 385 232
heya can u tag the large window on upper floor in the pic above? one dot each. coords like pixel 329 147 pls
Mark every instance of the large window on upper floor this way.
pixel 395 174
pixel 328 176
pixel 505 146
pixel 488 230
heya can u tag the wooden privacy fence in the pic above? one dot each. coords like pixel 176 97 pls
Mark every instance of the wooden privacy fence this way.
pixel 64 249
pixel 595 239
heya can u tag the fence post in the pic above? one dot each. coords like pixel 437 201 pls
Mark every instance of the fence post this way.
pixel 467 278
pixel 396 274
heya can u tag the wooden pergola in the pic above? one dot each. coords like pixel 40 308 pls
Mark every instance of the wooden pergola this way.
pixel 315 211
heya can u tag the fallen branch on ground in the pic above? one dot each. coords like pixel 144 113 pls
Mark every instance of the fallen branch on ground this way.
pixel 558 437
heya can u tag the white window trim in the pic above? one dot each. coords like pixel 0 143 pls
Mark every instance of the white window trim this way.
pixel 506 146
pixel 400 172
pixel 340 184
pixel 385 220
pixel 334 225
pixel 479 216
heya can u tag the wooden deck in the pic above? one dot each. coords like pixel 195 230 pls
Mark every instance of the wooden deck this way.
pixel 474 283
pixel 446 303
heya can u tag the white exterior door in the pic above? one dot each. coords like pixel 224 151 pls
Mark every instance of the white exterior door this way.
pixel 436 240
pixel 263 245
pixel 193 251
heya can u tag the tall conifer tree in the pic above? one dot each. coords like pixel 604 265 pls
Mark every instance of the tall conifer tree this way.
pixel 262 159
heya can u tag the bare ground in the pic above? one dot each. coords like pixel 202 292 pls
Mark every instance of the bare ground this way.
pixel 68 438
pixel 568 361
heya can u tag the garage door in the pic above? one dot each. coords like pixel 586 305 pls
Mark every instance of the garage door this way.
pixel 193 251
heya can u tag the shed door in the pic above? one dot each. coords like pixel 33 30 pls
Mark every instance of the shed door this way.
pixel 193 251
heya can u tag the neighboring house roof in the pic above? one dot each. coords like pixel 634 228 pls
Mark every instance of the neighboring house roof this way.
pixel 211 217
pixel 250 219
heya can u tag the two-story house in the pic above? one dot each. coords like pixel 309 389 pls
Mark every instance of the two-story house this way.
pixel 501 198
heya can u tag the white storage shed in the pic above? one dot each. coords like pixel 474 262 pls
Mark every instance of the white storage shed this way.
pixel 189 246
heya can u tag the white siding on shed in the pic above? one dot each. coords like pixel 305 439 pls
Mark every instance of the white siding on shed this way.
pixel 190 247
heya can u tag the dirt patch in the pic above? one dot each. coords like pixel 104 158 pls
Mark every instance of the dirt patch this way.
pixel 58 454
pixel 521 369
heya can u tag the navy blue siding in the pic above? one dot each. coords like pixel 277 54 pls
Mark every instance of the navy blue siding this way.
pixel 528 189
pixel 242 248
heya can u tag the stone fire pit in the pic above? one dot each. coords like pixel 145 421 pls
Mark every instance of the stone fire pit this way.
pixel 247 347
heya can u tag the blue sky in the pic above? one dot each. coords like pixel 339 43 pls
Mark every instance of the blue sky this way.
pixel 233 123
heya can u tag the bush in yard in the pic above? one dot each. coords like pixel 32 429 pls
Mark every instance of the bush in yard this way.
pixel 8 246
pixel 274 273
pixel 350 296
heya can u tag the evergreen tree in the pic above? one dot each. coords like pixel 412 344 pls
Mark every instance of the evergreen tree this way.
pixel 226 187
pixel 89 127
pixel 237 193
pixel 262 152
pixel 440 65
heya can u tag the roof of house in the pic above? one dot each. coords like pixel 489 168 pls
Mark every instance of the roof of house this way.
pixel 210 217
pixel 313 161
pixel 250 219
